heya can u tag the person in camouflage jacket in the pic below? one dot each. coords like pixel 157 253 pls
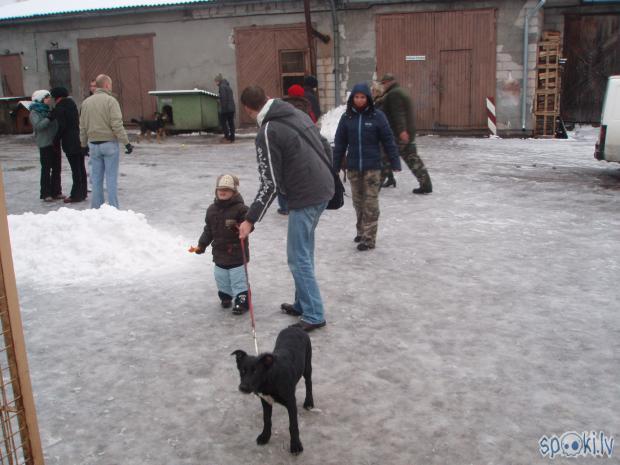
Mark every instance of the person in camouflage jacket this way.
pixel 399 111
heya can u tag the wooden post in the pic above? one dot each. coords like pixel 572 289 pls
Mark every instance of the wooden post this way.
pixel 310 37
pixel 21 403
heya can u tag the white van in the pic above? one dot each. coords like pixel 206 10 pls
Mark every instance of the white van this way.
pixel 608 145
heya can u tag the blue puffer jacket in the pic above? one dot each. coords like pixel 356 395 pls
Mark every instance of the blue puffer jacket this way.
pixel 359 135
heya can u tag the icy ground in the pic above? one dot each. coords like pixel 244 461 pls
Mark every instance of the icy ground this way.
pixel 487 316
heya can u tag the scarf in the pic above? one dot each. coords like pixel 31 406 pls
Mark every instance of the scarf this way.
pixel 40 108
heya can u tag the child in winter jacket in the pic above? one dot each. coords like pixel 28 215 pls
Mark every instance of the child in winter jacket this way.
pixel 223 216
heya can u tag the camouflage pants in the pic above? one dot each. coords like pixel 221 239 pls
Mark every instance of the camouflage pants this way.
pixel 409 153
pixel 365 194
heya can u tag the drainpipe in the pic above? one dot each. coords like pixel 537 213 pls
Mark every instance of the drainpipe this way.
pixel 332 4
pixel 526 42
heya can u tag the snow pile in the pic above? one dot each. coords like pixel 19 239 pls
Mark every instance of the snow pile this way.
pixel 584 132
pixel 329 122
pixel 105 245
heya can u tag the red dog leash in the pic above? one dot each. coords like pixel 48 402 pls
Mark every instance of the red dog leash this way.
pixel 250 306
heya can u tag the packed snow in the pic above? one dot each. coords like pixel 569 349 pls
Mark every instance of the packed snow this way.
pixel 66 246
pixel 486 317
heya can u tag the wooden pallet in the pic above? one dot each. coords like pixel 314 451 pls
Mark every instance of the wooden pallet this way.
pixel 548 84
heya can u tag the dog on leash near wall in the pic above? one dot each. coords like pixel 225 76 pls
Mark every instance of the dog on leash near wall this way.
pixel 274 376
pixel 156 126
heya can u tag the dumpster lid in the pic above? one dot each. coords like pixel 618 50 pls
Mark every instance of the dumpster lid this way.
pixel 8 99
pixel 182 92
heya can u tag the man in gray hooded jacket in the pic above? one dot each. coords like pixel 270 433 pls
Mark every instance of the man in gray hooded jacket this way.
pixel 294 160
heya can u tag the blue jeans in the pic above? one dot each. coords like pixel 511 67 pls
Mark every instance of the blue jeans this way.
pixel 232 281
pixel 104 162
pixel 300 252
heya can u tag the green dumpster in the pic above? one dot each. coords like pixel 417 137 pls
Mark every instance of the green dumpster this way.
pixel 188 110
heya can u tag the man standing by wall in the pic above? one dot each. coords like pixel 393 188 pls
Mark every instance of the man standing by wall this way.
pixel 101 129
pixel 295 161
pixel 227 109
pixel 399 110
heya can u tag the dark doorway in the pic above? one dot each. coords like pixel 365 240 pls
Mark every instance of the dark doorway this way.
pixel 60 69
pixel 592 49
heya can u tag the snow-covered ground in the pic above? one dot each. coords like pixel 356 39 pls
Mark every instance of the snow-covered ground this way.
pixel 486 317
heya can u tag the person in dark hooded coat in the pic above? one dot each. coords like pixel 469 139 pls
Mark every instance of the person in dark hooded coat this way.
pixel 68 117
pixel 361 131
pixel 227 108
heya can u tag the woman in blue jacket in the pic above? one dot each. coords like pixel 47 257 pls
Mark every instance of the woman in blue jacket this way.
pixel 360 131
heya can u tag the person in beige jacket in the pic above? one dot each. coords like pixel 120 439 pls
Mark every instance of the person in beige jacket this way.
pixel 101 130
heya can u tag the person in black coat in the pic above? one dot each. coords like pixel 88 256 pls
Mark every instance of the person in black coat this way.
pixel 310 87
pixel 227 108
pixel 66 113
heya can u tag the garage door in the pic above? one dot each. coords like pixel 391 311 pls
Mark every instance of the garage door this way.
pixel 11 75
pixel 447 62
pixel 128 60
pixel 272 57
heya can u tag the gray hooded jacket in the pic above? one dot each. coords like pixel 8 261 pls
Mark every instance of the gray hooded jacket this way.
pixel 288 164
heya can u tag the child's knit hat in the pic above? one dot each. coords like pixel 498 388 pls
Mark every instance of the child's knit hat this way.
pixel 39 95
pixel 227 181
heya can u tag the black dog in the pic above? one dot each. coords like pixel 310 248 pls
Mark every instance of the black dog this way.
pixel 276 375
pixel 156 126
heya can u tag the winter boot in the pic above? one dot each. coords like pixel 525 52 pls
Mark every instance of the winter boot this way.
pixel 389 181
pixel 425 188
pixel 241 304
pixel 225 299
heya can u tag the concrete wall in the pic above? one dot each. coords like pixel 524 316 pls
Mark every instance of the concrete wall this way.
pixel 192 45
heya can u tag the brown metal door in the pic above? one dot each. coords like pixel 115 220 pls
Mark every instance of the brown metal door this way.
pixel 258 50
pixel 455 89
pixel 129 61
pixel 11 75
pixel 592 49
pixel 419 49
pixel 128 87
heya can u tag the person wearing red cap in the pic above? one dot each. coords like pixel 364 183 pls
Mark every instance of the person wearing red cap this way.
pixel 295 96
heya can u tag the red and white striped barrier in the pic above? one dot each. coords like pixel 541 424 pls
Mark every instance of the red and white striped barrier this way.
pixel 491 118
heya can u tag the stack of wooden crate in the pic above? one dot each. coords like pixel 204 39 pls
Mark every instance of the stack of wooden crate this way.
pixel 548 88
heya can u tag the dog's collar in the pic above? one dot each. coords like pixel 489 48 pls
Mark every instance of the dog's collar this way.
pixel 265 397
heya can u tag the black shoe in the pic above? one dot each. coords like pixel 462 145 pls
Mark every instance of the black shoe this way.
pixel 357 239
pixel 307 327
pixel 290 310
pixel 225 299
pixel 364 246
pixel 422 190
pixel 241 304
pixel 390 181
pixel 282 212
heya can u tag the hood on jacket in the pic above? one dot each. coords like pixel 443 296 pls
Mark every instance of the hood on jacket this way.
pixel 278 109
pixel 360 88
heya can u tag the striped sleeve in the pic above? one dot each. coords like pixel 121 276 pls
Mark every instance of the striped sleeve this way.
pixel 268 157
